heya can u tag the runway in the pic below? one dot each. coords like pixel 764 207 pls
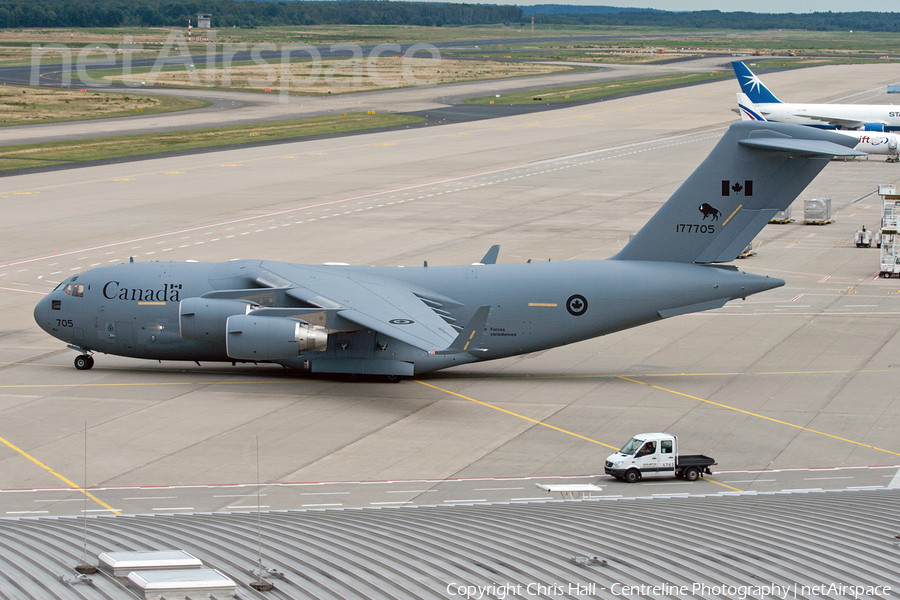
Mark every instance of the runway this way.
pixel 801 377
pixel 242 108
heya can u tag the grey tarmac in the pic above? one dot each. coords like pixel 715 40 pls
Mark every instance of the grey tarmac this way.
pixel 801 377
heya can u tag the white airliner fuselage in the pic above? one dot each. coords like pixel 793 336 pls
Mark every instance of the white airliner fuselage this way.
pixel 841 116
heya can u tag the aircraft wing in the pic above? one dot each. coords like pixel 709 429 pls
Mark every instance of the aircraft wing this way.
pixel 385 305
pixel 837 122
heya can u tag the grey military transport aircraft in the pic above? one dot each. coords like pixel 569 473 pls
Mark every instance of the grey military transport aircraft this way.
pixel 400 322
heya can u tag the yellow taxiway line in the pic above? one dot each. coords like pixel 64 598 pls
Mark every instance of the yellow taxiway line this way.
pixel 71 484
pixel 581 437
pixel 759 416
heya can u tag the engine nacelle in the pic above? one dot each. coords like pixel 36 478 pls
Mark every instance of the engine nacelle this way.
pixel 204 319
pixel 873 127
pixel 270 338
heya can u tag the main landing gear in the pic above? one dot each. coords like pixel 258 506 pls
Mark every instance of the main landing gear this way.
pixel 83 362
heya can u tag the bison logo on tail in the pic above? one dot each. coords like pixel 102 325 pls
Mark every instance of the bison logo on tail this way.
pixel 709 211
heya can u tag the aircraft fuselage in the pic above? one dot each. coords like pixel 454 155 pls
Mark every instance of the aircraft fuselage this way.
pixel 814 114
pixel 132 309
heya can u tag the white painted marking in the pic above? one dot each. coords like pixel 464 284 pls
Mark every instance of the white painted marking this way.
pixel 239 496
pixel 475 500
pixel 324 493
pixel 27 512
pixel 824 478
pixel 175 508
pixel 145 498
pixel 671 483
pixel 496 489
pixel 748 480
pixel 250 506
pixel 309 505
pixel 60 500
pixel 541 498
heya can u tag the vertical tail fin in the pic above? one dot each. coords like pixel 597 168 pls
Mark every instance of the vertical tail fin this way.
pixel 752 86
pixel 748 109
pixel 756 170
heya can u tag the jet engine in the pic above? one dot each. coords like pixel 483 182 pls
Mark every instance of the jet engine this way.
pixel 204 319
pixel 873 127
pixel 271 338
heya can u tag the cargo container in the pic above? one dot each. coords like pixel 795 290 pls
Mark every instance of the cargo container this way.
pixel 782 216
pixel 817 211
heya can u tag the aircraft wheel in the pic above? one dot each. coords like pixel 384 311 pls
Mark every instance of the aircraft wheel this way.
pixel 692 474
pixel 632 476
pixel 392 378
pixel 83 362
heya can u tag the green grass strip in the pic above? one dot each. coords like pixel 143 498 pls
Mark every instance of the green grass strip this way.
pixel 592 91
pixel 54 153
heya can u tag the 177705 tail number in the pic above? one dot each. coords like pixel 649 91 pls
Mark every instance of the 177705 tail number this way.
pixel 694 228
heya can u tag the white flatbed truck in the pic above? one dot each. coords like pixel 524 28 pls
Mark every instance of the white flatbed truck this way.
pixel 656 455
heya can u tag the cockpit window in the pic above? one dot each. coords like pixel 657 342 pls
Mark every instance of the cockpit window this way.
pixel 74 290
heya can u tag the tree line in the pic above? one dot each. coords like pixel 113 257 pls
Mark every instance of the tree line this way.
pixel 246 13
pixel 236 13
pixel 714 19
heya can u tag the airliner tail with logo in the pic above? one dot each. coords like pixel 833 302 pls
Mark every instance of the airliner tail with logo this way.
pixel 859 117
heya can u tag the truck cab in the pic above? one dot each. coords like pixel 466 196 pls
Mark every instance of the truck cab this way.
pixel 655 455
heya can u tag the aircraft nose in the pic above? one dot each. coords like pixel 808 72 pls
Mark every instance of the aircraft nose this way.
pixel 42 313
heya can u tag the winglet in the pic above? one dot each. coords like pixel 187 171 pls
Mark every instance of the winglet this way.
pixel 491 257
pixel 469 339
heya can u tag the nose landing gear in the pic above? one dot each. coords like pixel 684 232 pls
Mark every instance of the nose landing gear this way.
pixel 83 362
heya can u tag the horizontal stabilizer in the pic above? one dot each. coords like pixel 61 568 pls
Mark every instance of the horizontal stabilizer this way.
pixel 469 339
pixel 810 147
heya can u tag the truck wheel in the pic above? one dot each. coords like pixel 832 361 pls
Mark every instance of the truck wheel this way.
pixel 632 476
pixel 692 474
